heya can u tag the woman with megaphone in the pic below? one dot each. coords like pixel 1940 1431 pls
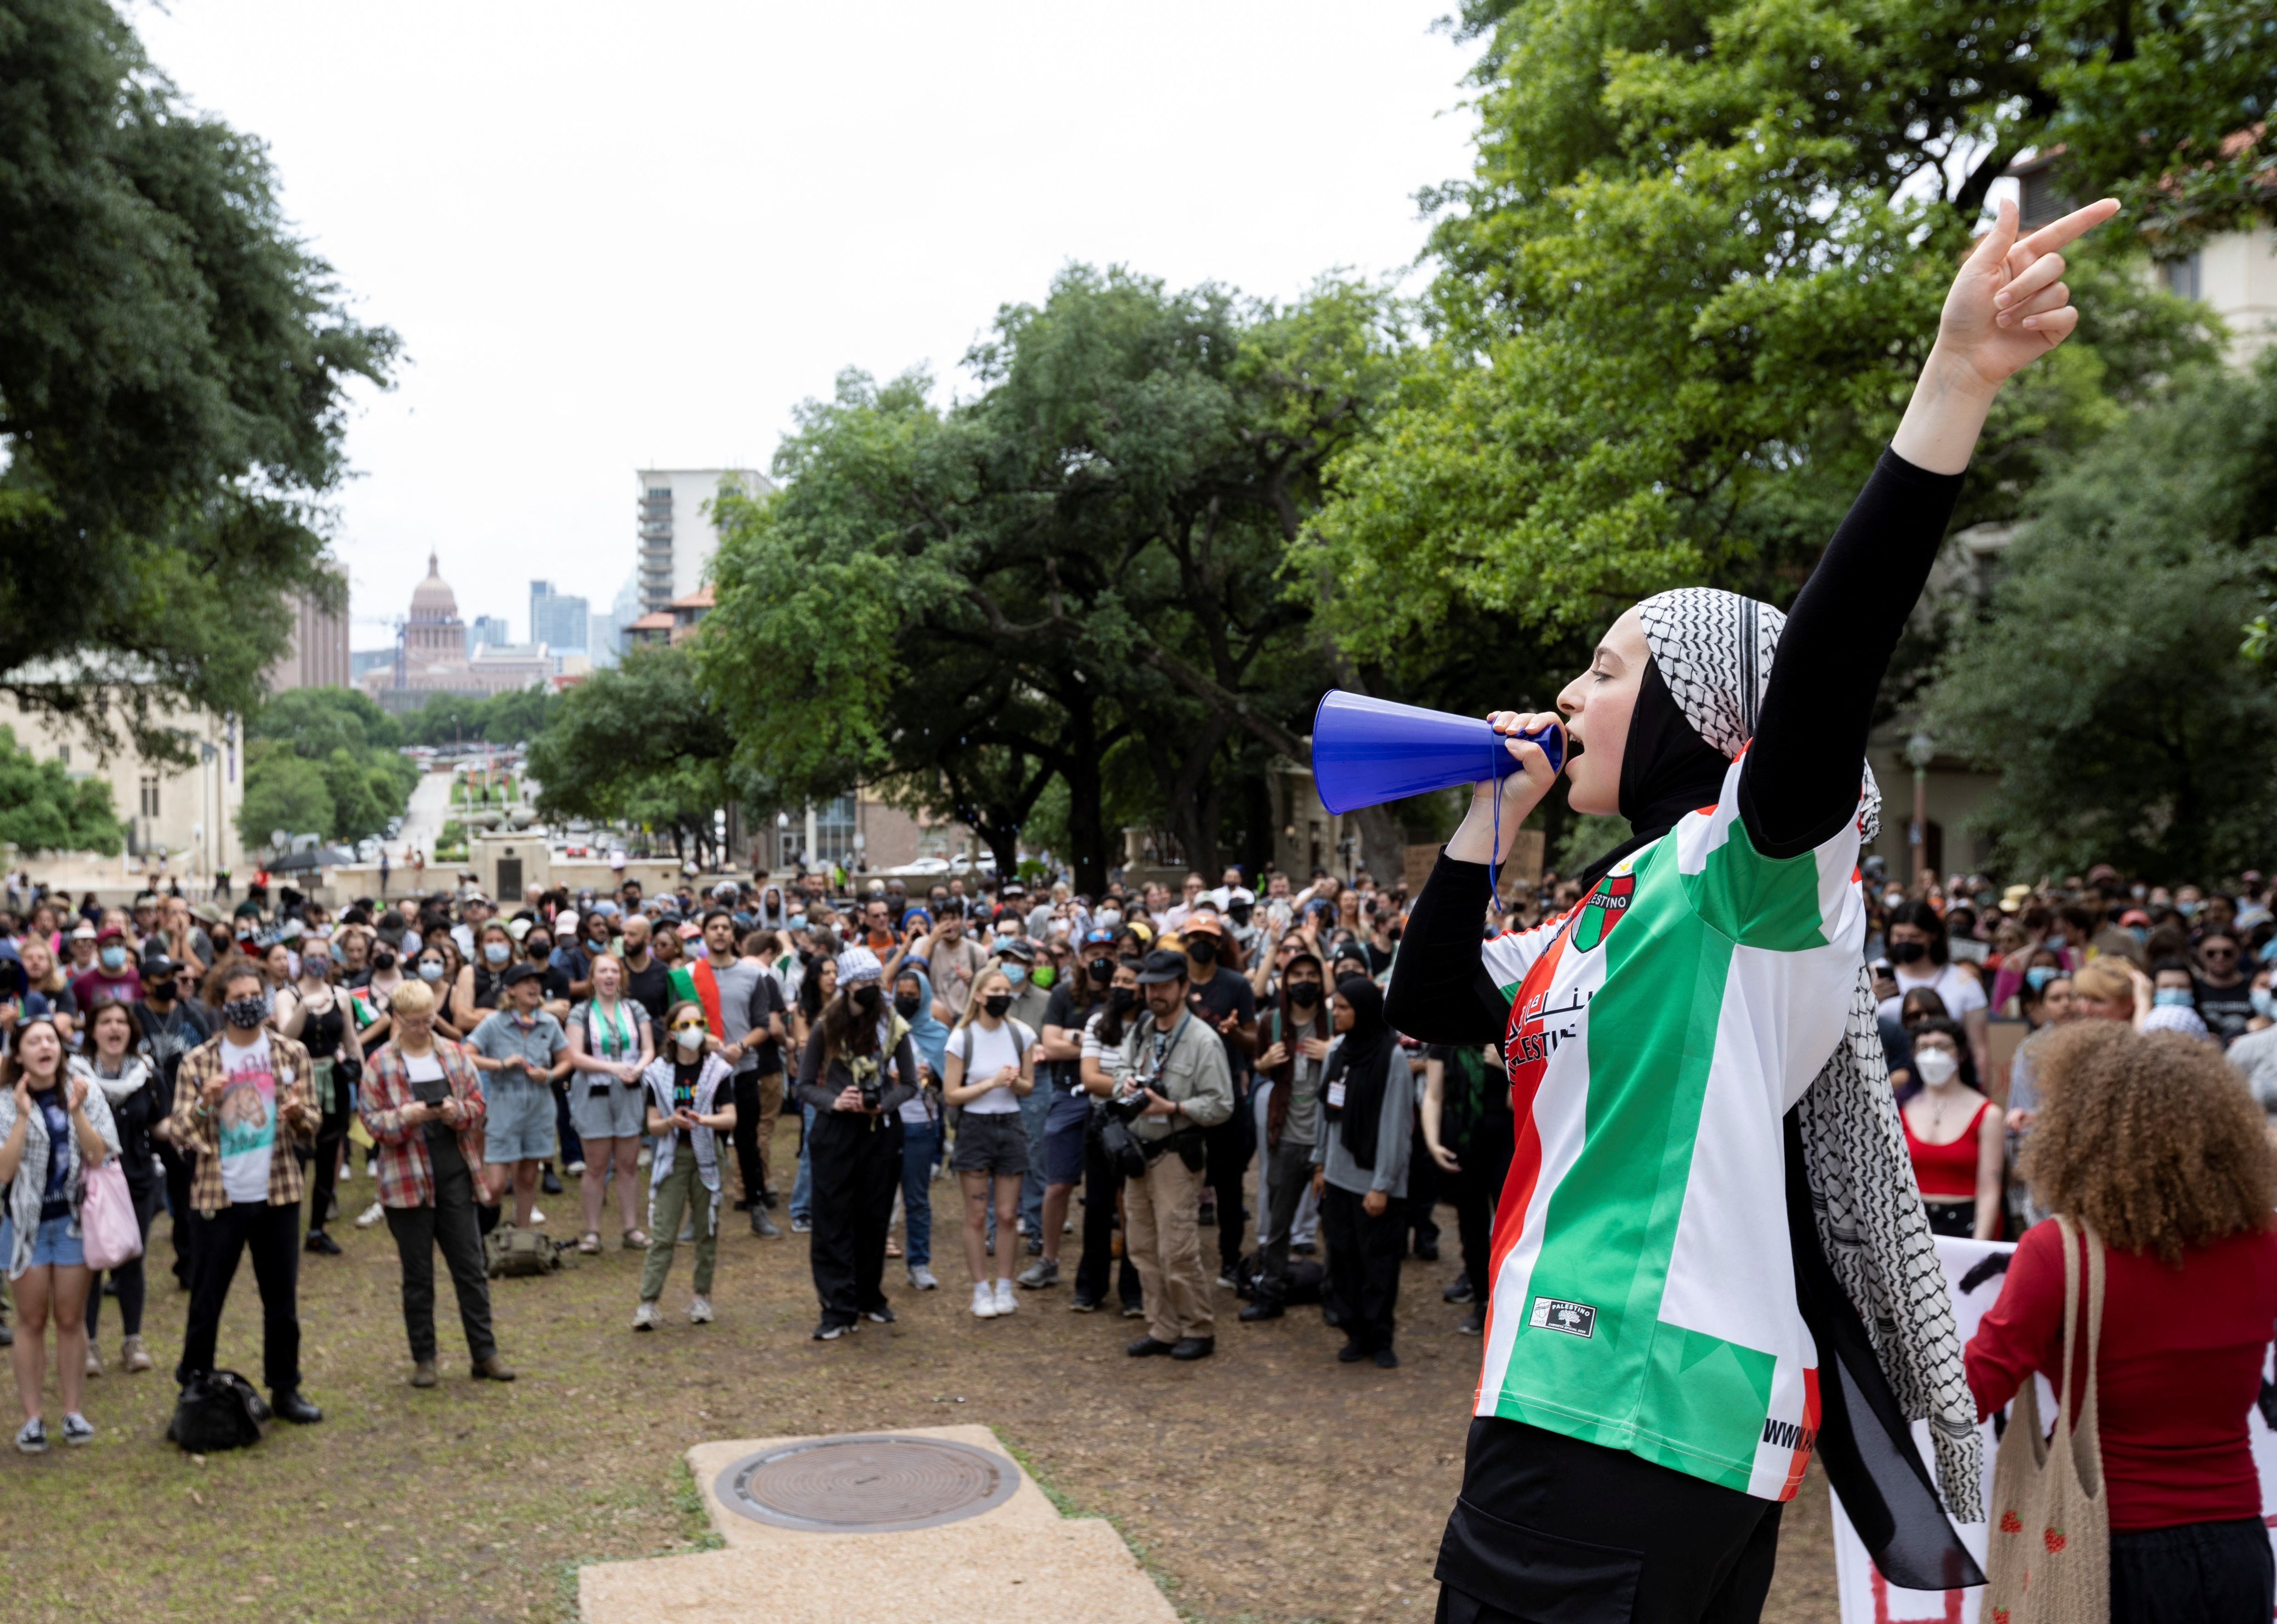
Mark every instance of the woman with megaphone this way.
pixel 1709 1258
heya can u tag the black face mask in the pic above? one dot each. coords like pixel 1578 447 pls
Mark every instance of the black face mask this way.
pixel 865 999
pixel 996 1004
pixel 906 1005
pixel 383 960
pixel 1121 998
pixel 1908 952
pixel 158 991
pixel 1102 971
pixel 1240 913
pixel 1202 950
pixel 1304 994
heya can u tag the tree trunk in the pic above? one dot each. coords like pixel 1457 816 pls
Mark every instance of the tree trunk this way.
pixel 1080 768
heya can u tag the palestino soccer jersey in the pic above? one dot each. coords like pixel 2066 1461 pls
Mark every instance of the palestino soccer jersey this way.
pixel 1643 1293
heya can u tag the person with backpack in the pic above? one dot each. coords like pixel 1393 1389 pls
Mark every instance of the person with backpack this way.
pixel 1296 1035
pixel 55 1128
pixel 422 1102
pixel 990 1068
pixel 687 1113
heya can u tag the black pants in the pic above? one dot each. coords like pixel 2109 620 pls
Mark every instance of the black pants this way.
pixel 1474 1190
pixel 2196 1572
pixel 272 1235
pixel 1100 1185
pixel 1548 1527
pixel 1425 1191
pixel 748 1165
pixel 450 1223
pixel 1364 1255
pixel 129 1275
pixel 856 1161
pixel 1228 1144
pixel 178 1203
pixel 331 1133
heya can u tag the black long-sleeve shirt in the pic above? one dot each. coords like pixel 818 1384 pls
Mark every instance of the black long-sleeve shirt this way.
pixel 820 1085
pixel 1800 781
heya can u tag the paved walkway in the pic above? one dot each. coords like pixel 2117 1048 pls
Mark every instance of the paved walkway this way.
pixel 424 818
pixel 1017 1563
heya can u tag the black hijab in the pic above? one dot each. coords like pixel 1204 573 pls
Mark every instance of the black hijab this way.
pixel 1667 770
pixel 1364 1062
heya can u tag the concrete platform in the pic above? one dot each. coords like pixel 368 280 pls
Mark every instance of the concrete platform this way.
pixel 1017 1562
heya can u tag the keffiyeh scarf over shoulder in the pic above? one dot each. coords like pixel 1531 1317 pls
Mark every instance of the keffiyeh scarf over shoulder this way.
pixel 1714 649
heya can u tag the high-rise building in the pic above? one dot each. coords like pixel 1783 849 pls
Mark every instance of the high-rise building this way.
pixel 486 631
pixel 677 538
pixel 557 619
pixel 318 654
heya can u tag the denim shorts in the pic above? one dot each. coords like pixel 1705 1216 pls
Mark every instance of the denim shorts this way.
pixel 517 1120
pixel 1063 1146
pixel 54 1244
pixel 991 1142
pixel 620 1112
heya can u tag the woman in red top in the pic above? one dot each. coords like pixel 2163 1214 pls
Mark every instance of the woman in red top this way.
pixel 2152 1140
pixel 1954 1135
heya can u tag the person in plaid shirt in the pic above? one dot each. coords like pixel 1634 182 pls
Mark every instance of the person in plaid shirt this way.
pixel 423 1104
pixel 241 1103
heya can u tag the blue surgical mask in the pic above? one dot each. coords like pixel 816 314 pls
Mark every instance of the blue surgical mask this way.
pixel 497 952
pixel 114 958
pixel 2173 998
pixel 2039 975
pixel 2264 1003
pixel 2186 909
pixel 1016 974
pixel 429 970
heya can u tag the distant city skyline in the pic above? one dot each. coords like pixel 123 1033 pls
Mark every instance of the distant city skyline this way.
pixel 628 240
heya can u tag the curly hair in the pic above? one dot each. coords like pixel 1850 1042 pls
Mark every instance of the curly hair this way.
pixel 2151 1137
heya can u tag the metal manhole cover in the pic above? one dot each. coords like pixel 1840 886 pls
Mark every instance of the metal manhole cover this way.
pixel 866 1483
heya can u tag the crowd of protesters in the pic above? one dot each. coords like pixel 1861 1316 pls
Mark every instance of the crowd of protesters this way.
pixel 1130 1078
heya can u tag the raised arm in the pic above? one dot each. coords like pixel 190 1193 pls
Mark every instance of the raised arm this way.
pixel 2007 306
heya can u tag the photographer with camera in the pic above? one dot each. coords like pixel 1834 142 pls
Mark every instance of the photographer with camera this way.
pixel 1099 1072
pixel 423 1103
pixel 1176 1087
pixel 855 1148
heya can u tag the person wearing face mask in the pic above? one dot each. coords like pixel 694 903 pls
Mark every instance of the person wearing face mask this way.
pixel 170 1028
pixel 1101 1075
pixel 857 1072
pixel 1360 1170
pixel 1919 949
pixel 1296 1035
pixel 921 1117
pixel 433 968
pixel 241 1106
pixel 520 1050
pixel 1954 1137
pixel 536 949
pixel 481 986
pixel 111 975
pixel 744 1012
pixel 990 1067
pixel 690 1104
pixel 1067 1113
pixel 313 1010
pixel 1223 998
pixel 1016 957
pixel 1692 1048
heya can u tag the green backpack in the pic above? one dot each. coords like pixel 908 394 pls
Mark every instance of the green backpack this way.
pixel 513 1253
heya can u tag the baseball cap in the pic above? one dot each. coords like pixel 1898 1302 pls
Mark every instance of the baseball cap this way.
pixel 1201 923
pixel 1162 965
pixel 524 972
pixel 1019 949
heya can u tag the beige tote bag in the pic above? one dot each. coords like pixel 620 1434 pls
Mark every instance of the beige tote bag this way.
pixel 2050 1557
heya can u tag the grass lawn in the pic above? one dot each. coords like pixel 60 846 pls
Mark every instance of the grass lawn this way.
pixel 1270 1482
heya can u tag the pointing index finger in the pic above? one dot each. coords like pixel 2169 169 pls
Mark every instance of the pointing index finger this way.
pixel 2057 233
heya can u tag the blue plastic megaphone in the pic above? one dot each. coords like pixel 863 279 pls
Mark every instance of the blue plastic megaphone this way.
pixel 1367 752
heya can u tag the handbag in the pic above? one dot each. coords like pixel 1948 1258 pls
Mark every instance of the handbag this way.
pixel 110 1233
pixel 218 1410
pixel 2049 1560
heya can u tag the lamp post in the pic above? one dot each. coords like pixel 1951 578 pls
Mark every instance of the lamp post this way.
pixel 1921 750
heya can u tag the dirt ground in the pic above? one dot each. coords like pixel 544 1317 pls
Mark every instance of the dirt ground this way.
pixel 1267 1483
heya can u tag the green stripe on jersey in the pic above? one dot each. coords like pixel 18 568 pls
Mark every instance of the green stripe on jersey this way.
pixel 1769 903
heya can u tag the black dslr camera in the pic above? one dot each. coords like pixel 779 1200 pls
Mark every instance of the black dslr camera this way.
pixel 872 1087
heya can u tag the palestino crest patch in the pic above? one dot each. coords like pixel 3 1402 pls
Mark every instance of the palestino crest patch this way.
pixel 1604 907
pixel 1575 1319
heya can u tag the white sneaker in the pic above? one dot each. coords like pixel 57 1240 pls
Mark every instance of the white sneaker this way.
pixel 1005 1301
pixel 984 1301
pixel 921 1278
pixel 536 1217
pixel 699 1310
pixel 576 1169
pixel 646 1317
pixel 370 1215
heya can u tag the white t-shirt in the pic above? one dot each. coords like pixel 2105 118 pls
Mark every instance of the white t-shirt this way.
pixel 1960 990
pixel 247 1134
pixel 422 1068
pixel 991 1050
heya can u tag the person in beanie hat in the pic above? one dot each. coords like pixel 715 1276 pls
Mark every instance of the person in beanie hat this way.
pixel 859 1069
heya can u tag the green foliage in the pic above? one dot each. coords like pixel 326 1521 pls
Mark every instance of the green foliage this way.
pixel 173 375
pixel 962 604
pixel 2105 684
pixel 1684 293
pixel 336 742
pixel 42 808
pixel 514 717
pixel 640 744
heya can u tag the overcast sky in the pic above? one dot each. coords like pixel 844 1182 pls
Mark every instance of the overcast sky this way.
pixel 623 237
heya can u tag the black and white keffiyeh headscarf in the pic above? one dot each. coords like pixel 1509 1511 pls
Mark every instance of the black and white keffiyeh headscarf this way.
pixel 1714 650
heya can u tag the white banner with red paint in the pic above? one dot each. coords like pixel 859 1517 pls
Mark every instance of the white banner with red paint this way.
pixel 1867 1598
